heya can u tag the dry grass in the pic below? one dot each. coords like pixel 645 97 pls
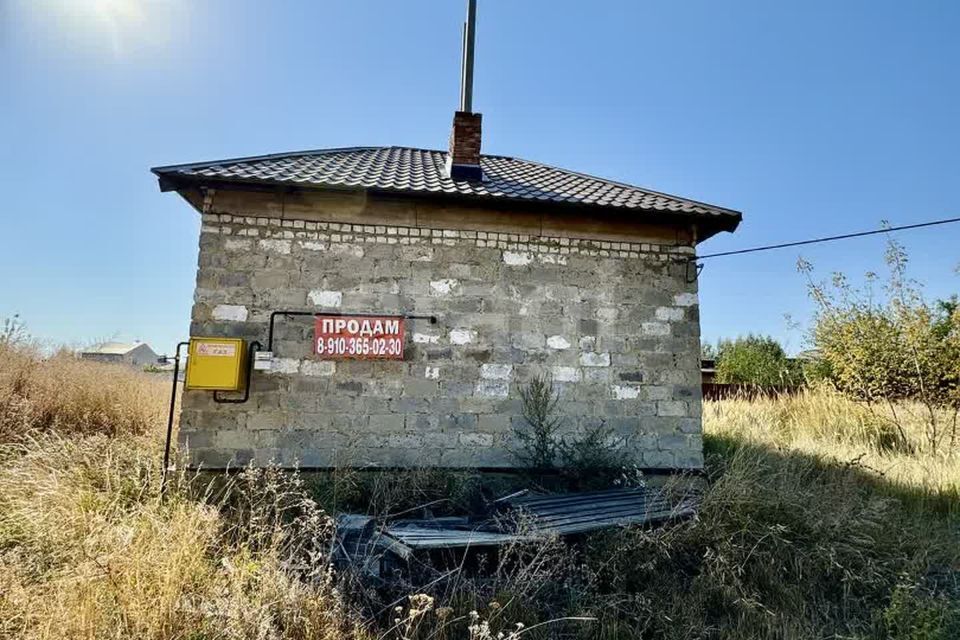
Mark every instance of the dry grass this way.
pixel 68 395
pixel 88 550
pixel 813 527
pixel 832 429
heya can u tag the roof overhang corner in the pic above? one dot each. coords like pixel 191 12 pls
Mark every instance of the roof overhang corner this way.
pixel 707 228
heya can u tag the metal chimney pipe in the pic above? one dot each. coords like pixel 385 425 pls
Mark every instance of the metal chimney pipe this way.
pixel 466 65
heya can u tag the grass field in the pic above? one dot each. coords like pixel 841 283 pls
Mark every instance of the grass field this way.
pixel 813 527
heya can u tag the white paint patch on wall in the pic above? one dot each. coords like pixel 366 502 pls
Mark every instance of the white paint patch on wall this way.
pixel 277 246
pixel 493 388
pixel 351 250
pixel 284 366
pixel 462 336
pixel 685 299
pixel 670 314
pixel 625 392
pixel 607 315
pixel 425 338
pixel 595 359
pixel 318 368
pixel 549 258
pixel 233 244
pixel 322 298
pixel 230 312
pixel 558 342
pixel 431 373
pixel 655 329
pixel 444 287
pixel 517 258
pixel 496 371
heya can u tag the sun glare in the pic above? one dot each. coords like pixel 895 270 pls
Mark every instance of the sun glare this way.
pixel 121 27
pixel 119 17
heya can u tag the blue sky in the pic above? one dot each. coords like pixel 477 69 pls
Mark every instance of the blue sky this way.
pixel 811 117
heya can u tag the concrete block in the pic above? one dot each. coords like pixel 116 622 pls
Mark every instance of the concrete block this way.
pixel 387 423
pixel 230 312
pixel 668 408
pixel 273 245
pixel 595 359
pixel 496 371
pixel 655 329
pixel 566 374
pixel 493 388
pixel 323 368
pixel 517 258
pixel 626 391
pixel 670 314
pixel 476 439
pixel 685 299
pixel 462 336
pixel 444 287
pixel 329 299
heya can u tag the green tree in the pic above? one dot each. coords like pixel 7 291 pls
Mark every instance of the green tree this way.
pixel 758 360
pixel 885 346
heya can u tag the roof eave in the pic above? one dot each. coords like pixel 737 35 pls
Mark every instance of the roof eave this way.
pixel 709 224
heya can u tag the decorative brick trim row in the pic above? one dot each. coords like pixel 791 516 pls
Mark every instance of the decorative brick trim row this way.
pixel 381 234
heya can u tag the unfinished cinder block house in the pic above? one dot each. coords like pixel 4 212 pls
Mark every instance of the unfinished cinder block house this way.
pixel 529 269
pixel 500 270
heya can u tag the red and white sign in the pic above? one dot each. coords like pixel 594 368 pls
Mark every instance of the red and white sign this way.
pixel 358 337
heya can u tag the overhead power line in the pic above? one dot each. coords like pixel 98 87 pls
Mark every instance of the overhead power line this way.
pixel 845 236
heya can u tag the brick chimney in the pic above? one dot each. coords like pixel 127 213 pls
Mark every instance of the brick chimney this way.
pixel 463 160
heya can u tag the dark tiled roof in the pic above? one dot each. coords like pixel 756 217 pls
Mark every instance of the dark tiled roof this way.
pixel 415 171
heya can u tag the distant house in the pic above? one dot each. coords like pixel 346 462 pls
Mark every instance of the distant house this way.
pixel 134 354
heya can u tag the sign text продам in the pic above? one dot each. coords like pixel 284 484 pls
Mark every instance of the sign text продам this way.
pixel 358 337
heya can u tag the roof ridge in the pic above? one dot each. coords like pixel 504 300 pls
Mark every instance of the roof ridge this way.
pixel 320 152
pixel 266 156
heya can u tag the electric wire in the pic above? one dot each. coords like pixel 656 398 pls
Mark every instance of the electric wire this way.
pixel 845 236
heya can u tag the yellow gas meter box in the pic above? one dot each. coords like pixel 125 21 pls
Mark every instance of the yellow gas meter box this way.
pixel 216 364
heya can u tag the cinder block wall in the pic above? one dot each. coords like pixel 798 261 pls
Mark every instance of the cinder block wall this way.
pixel 614 323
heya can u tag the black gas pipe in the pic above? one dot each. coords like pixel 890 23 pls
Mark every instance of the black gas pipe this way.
pixel 255 346
pixel 173 402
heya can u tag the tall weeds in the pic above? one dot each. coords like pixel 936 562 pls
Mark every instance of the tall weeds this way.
pixel 813 525
pixel 67 395
pixel 89 551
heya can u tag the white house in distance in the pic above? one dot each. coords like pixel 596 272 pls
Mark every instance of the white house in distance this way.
pixel 134 354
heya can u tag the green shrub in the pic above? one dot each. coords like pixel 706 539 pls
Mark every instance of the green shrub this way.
pixel 884 348
pixel 757 360
pixel 916 614
pixel 590 458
